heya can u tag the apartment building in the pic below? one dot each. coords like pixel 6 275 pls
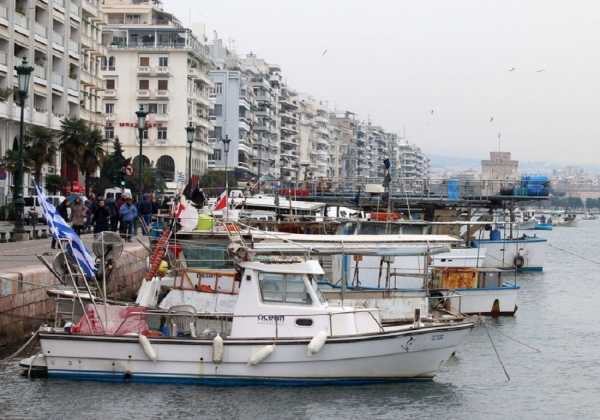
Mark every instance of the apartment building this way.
pixel 93 58
pixel 412 162
pixel 289 134
pixel 153 61
pixel 343 149
pixel 47 34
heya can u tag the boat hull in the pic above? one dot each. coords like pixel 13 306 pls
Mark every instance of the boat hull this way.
pixel 494 301
pixel 504 253
pixel 395 356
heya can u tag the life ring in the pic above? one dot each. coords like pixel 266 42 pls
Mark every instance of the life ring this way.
pixel 518 261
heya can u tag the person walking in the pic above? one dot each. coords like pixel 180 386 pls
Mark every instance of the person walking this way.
pixel 146 210
pixel 128 213
pixel 78 213
pixel 101 217
pixel 63 211
pixel 113 214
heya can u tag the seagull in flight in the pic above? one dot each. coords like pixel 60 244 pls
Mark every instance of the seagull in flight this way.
pixel 491 119
pixel 324 52
pixel 540 70
pixel 512 69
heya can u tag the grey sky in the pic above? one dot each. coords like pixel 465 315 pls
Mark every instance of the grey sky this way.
pixel 395 61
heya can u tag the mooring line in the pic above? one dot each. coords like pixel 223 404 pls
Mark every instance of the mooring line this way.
pixel 575 254
pixel 517 341
pixel 497 353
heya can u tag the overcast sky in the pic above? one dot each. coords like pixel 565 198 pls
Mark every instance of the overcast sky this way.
pixel 439 68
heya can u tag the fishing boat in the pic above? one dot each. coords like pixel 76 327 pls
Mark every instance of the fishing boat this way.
pixel 483 291
pixel 282 331
pixel 524 252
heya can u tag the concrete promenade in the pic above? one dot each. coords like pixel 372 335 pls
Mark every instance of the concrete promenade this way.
pixel 24 280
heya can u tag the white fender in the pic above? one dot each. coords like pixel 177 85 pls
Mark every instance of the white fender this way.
pixel 261 354
pixel 217 349
pixel 317 343
pixel 148 349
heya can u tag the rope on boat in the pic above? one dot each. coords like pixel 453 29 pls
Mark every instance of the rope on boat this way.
pixel 517 341
pixel 496 351
pixel 23 347
pixel 575 254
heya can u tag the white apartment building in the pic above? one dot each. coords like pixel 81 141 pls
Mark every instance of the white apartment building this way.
pixel 156 63
pixel 47 34
pixel 93 56
pixel 412 162
pixel 289 135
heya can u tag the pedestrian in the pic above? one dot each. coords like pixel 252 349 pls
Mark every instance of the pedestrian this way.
pixel 63 211
pixel 145 210
pixel 78 214
pixel 118 204
pixel 101 217
pixel 128 213
pixel 113 214
pixel 91 210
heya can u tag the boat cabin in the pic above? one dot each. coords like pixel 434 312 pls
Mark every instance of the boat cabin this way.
pixel 455 278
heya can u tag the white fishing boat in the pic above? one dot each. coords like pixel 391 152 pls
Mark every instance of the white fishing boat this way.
pixel 282 331
pixel 483 291
pixel 524 253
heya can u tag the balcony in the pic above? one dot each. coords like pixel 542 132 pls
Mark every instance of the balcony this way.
pixel 143 93
pixel 90 6
pixel 4 15
pixel 59 4
pixel 74 10
pixel 73 84
pixel 22 22
pixel 39 71
pixel 58 41
pixel 162 70
pixel 58 81
pixel 73 47
pixel 110 93
pixel 144 70
pixel 162 93
pixel 40 31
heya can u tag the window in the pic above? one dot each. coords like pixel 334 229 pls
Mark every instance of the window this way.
pixel 145 134
pixel 111 63
pixel 109 108
pixel 135 19
pixel 218 110
pixel 288 288
pixel 149 108
pixel 216 155
pixel 163 84
pixel 218 132
pixel 163 109
pixel 144 84
pixel 110 84
pixel 162 133
pixel 218 88
pixel 163 61
pixel 109 133
pixel 144 61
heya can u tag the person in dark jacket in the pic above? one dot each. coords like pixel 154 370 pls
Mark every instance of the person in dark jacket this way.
pixel 63 211
pixel 101 217
pixel 145 210
pixel 114 214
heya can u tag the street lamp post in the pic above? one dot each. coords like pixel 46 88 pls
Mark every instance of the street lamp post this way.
pixel 23 76
pixel 226 142
pixel 190 130
pixel 141 124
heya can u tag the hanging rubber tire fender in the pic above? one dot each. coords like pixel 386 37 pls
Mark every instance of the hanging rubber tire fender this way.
pixel 519 261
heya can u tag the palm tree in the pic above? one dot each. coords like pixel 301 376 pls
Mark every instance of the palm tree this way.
pixel 72 139
pixel 92 154
pixel 40 148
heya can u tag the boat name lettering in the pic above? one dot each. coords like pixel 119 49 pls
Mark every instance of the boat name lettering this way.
pixel 271 318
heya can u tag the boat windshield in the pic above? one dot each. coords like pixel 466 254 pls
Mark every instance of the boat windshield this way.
pixel 314 282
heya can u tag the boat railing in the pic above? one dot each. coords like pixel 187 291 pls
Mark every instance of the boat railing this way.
pixel 201 325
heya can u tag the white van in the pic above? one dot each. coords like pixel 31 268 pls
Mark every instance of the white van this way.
pixel 33 205
pixel 115 192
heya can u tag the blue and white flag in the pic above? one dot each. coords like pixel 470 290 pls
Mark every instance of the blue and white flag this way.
pixel 60 229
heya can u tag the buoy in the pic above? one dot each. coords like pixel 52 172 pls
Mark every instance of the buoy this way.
pixel 148 349
pixel 217 348
pixel 261 354
pixel 317 343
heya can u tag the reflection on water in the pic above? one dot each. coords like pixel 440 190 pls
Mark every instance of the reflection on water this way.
pixel 556 314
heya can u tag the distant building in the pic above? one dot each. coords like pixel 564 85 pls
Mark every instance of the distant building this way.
pixel 499 169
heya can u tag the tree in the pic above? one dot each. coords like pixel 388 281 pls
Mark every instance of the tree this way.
pixel 55 183
pixel 216 180
pixel 40 149
pixel 152 180
pixel 72 139
pixel 91 155
pixel 111 171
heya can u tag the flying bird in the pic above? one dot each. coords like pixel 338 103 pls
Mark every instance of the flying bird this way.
pixel 324 52
pixel 512 69
pixel 491 119
pixel 432 112
pixel 540 70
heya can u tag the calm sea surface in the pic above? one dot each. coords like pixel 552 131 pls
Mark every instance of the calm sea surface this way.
pixel 557 315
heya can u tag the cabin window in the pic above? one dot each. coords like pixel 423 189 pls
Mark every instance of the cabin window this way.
pixel 284 288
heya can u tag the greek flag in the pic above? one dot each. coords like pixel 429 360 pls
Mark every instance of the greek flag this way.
pixel 60 229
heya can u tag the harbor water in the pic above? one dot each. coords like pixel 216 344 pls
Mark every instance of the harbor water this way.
pixel 550 350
